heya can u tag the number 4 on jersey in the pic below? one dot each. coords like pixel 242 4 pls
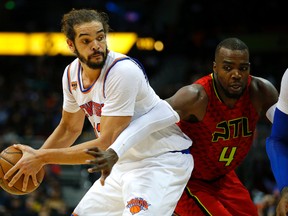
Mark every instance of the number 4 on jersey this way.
pixel 227 158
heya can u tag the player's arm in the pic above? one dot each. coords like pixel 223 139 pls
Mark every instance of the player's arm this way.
pixel 277 145
pixel 277 148
pixel 189 102
pixel 161 116
pixel 64 135
pixel 263 105
pixel 56 149
pixel 68 130
pixel 185 101
pixel 277 151
pixel 32 160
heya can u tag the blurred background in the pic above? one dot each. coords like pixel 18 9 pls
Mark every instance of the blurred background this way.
pixel 175 41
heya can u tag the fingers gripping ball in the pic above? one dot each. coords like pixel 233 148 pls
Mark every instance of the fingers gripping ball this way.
pixel 8 158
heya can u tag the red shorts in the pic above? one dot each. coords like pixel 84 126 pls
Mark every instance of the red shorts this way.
pixel 224 197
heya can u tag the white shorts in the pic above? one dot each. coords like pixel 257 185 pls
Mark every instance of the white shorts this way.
pixel 151 186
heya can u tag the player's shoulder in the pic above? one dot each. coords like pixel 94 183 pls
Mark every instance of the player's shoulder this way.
pixel 70 70
pixel 193 89
pixel 123 65
pixel 73 66
pixel 190 100
pixel 121 61
pixel 261 84
pixel 263 94
pixel 190 94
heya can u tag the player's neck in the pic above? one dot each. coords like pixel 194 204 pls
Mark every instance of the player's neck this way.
pixel 229 102
pixel 89 76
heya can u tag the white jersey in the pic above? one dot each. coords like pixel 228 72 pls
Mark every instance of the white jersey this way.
pixel 122 89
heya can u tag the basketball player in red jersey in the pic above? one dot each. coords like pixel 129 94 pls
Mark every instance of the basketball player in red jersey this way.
pixel 219 112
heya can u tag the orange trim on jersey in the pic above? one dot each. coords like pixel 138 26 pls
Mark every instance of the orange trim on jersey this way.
pixel 74 214
pixel 198 202
pixel 69 79
pixel 87 90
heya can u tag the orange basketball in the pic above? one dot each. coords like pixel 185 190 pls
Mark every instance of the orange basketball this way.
pixel 8 158
pixel 135 209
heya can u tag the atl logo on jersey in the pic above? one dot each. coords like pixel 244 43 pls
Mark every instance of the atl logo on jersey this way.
pixel 232 129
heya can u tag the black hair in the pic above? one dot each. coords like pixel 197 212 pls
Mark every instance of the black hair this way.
pixel 231 44
pixel 76 17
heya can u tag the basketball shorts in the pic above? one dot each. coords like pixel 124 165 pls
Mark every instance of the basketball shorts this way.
pixel 224 197
pixel 151 186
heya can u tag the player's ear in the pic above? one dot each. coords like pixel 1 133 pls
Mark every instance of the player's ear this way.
pixel 214 66
pixel 70 45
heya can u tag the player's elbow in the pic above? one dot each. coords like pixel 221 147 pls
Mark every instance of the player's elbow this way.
pixel 70 130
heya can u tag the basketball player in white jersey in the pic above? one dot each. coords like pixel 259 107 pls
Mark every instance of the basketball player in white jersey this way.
pixel 112 90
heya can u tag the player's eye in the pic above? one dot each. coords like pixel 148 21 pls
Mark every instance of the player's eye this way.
pixel 85 41
pixel 243 68
pixel 101 38
pixel 227 68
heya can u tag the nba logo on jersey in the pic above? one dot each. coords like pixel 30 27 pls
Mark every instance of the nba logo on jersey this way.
pixel 74 85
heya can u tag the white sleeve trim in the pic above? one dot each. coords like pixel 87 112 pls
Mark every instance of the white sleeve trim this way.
pixel 282 103
pixel 283 95
pixel 270 113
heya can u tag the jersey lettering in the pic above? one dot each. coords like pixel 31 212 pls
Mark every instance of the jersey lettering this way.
pixel 92 108
pixel 235 126
pixel 97 127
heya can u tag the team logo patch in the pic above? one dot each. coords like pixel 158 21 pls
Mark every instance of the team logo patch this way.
pixel 74 85
pixel 137 204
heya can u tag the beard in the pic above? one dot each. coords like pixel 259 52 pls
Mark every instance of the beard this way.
pixel 89 63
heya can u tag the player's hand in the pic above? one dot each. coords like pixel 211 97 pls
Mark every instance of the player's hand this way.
pixel 282 207
pixel 28 166
pixel 104 161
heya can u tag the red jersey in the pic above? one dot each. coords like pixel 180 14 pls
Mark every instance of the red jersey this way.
pixel 224 136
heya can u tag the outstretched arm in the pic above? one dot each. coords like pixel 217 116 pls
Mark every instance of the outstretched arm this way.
pixel 277 145
pixel 277 150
